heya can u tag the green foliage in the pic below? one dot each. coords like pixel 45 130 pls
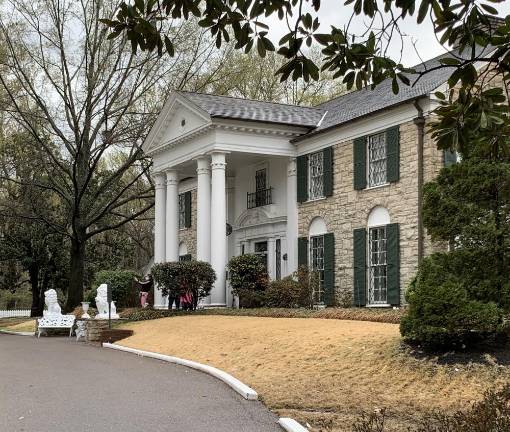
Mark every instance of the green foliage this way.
pixel 444 311
pixel 121 282
pixel 176 278
pixel 285 293
pixel 20 299
pixel 310 283
pixel 359 58
pixel 491 414
pixel 248 279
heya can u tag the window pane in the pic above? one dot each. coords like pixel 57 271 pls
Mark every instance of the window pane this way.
pixel 377 159
pixel 315 176
pixel 317 264
pixel 182 212
pixel 377 292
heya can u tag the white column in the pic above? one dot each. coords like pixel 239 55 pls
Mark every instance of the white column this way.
pixel 292 217
pixel 271 258
pixel 218 227
pixel 203 209
pixel 172 215
pixel 159 227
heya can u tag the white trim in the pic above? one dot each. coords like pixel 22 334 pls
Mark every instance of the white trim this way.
pixel 369 125
pixel 241 388
pixel 291 425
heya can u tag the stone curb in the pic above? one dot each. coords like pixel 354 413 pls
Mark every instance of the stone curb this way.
pixel 241 388
pixel 291 425
pixel 9 332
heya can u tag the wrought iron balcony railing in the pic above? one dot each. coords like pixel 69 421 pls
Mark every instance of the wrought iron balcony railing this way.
pixel 259 198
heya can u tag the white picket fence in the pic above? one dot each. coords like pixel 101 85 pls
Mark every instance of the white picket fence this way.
pixel 14 313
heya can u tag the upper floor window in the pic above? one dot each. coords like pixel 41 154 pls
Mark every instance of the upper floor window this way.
pixel 184 210
pixel 377 159
pixel 262 195
pixel 315 175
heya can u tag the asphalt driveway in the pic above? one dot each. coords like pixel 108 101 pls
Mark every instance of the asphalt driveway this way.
pixel 55 384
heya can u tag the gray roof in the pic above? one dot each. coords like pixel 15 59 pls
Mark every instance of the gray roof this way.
pixel 253 110
pixel 333 113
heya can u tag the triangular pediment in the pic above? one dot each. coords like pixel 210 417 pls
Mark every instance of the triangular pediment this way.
pixel 178 118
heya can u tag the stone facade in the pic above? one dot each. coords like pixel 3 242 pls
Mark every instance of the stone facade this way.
pixel 189 235
pixel 348 209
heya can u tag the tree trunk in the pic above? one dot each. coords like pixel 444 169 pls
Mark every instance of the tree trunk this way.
pixel 77 270
pixel 33 273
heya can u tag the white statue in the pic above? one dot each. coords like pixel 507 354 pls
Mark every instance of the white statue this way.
pixel 102 304
pixel 51 301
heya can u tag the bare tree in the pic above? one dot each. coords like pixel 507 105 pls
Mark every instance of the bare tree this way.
pixel 88 101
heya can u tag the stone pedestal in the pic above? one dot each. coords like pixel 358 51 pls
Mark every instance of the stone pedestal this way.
pixel 94 329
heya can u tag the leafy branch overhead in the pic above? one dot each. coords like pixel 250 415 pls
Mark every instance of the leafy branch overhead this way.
pixel 357 59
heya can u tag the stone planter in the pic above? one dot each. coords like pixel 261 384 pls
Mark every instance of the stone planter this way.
pixel 94 329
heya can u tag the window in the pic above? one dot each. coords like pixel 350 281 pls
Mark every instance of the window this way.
pixel 377 277
pixel 182 211
pixel 278 258
pixel 317 264
pixel 377 160
pixel 261 251
pixel 316 175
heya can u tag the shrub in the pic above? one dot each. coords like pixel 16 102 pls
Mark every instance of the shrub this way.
pixel 309 282
pixel 121 282
pixel 491 414
pixel 442 312
pixel 248 279
pixel 176 278
pixel 285 293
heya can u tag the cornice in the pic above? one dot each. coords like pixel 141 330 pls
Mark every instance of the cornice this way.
pixel 202 130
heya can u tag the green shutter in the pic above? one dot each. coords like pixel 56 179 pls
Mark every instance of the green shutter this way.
pixel 302 178
pixel 303 251
pixel 360 266
pixel 449 157
pixel 327 160
pixel 187 209
pixel 393 154
pixel 329 269
pixel 393 264
pixel 360 163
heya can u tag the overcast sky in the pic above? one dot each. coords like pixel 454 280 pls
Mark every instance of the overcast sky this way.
pixel 333 12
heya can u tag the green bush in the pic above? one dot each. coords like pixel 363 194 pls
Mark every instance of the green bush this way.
pixel 20 299
pixel 309 282
pixel 285 293
pixel 121 282
pixel 443 313
pixel 248 279
pixel 176 278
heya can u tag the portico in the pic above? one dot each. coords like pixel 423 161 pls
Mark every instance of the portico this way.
pixel 244 178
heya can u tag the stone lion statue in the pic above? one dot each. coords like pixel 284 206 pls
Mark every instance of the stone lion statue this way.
pixel 102 304
pixel 51 301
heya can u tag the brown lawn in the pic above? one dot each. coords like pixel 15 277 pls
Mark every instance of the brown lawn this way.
pixel 324 372
pixel 18 324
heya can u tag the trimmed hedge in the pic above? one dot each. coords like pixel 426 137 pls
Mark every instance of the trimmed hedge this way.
pixel 391 316
pixel 248 279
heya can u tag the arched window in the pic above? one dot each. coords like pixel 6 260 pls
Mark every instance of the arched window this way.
pixel 316 233
pixel 378 220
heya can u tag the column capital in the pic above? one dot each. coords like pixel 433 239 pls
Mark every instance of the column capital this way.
pixel 218 161
pixel 159 179
pixel 172 177
pixel 291 167
pixel 203 165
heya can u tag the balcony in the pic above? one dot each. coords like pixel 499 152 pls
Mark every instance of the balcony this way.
pixel 259 198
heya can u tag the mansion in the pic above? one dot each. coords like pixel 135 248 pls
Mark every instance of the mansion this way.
pixel 336 187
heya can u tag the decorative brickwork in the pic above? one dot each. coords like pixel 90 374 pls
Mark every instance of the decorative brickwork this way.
pixel 348 209
pixel 189 235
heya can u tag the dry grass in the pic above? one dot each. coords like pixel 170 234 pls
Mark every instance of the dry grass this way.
pixel 325 372
pixel 18 324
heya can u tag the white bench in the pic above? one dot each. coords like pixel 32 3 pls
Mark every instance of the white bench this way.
pixel 54 322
